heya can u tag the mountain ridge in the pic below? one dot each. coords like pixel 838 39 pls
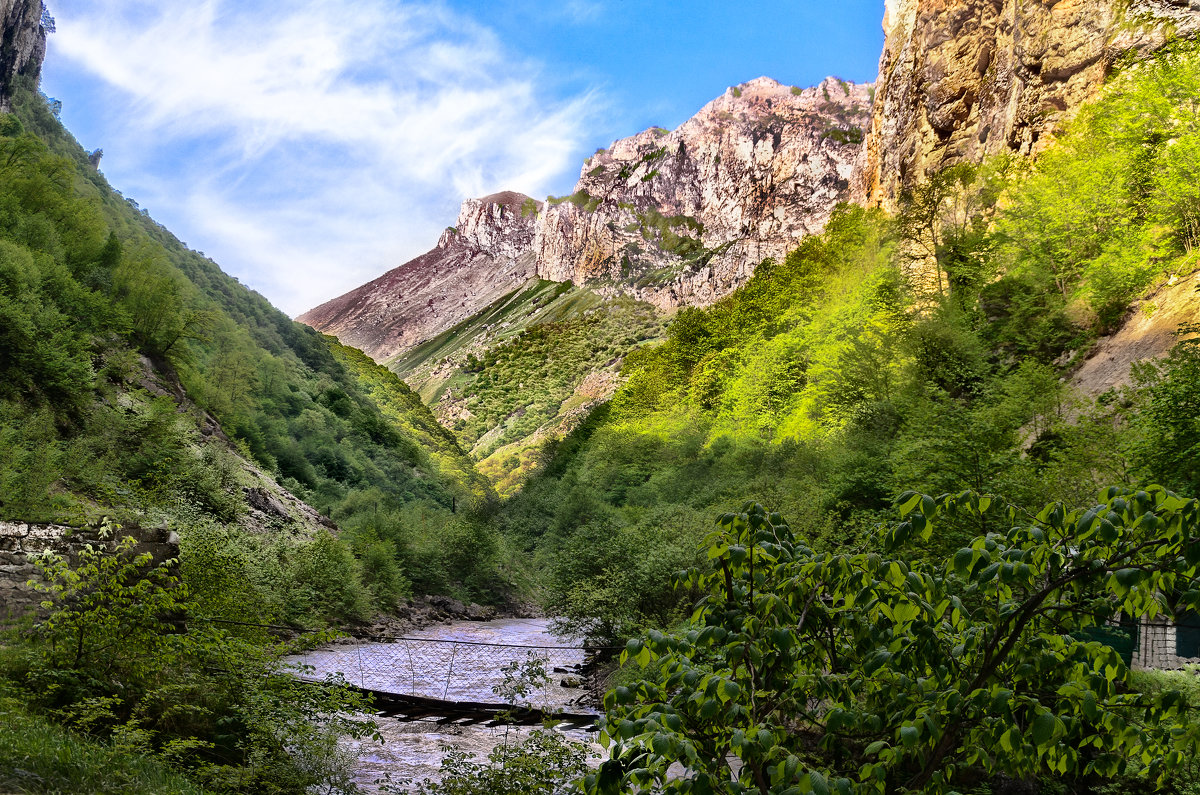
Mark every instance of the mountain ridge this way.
pixel 671 218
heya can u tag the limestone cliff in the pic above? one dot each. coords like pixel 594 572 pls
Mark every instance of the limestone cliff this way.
pixel 670 218
pixel 683 217
pixel 488 254
pixel 22 43
pixel 964 79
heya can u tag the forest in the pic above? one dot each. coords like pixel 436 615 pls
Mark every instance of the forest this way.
pixel 949 526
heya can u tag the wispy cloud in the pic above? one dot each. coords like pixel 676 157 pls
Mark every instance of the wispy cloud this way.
pixel 309 145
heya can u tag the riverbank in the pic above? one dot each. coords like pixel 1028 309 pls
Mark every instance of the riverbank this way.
pixel 422 612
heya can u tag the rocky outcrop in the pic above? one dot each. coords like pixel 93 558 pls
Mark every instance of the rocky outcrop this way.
pixel 488 254
pixel 683 217
pixel 960 80
pixel 671 218
pixel 22 44
pixel 1150 331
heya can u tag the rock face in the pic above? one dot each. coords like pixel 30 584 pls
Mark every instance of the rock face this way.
pixel 22 43
pixel 966 79
pixel 683 217
pixel 671 218
pixel 21 541
pixel 487 255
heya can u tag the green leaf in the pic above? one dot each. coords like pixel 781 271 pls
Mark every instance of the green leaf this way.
pixel 1042 730
pixel 910 736
pixel 906 612
pixel 907 501
pixel 730 689
pixel 661 744
pixel 1128 577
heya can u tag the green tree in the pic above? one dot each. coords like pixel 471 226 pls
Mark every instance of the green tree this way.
pixel 814 672
pixel 943 222
pixel 115 657
pixel 1169 416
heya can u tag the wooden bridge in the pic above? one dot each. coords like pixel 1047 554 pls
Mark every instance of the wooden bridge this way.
pixel 462 682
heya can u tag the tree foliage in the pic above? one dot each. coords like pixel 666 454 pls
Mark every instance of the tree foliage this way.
pixel 116 657
pixel 817 672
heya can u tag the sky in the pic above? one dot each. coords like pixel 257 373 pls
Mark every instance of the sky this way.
pixel 309 146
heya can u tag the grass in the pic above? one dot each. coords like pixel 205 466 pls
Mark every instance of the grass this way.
pixel 511 374
pixel 38 756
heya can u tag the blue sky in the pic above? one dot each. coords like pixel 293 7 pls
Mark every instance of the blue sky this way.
pixel 309 145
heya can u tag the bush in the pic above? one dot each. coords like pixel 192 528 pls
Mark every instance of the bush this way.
pixel 544 763
pixel 116 658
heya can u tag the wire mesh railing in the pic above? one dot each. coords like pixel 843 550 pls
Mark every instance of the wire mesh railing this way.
pixel 455 670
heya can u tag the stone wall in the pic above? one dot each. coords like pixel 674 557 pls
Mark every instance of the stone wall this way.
pixel 1167 646
pixel 20 541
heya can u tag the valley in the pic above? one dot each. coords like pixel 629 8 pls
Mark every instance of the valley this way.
pixel 926 349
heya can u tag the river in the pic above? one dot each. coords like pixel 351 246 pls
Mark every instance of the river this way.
pixel 459 664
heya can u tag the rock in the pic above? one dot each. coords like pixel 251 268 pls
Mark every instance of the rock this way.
pixel 571 681
pixel 448 605
pixel 480 612
pixel 959 81
pixel 24 45
pixel 260 500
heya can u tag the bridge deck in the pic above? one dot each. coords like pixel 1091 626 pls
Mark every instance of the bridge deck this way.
pixel 410 707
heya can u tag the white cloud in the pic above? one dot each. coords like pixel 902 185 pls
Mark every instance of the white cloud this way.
pixel 310 145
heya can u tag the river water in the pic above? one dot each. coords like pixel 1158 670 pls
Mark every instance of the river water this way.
pixel 458 662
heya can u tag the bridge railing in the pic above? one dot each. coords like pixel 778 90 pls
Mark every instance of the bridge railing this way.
pixel 457 670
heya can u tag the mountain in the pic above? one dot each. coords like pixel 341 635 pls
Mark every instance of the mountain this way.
pixel 961 81
pixel 657 221
pixel 672 218
pixel 142 385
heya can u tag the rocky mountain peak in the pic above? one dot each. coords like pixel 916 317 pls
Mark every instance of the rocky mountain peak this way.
pixel 486 255
pixel 502 224
pixel 682 217
pixel 670 217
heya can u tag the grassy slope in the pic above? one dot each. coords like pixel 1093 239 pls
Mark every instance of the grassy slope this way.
pixel 39 756
pixel 524 369
pixel 403 407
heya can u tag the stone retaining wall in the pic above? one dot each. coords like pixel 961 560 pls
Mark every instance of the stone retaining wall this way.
pixel 19 541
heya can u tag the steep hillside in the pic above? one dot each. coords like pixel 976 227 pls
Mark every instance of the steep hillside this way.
pixel 830 382
pixel 960 81
pixel 139 383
